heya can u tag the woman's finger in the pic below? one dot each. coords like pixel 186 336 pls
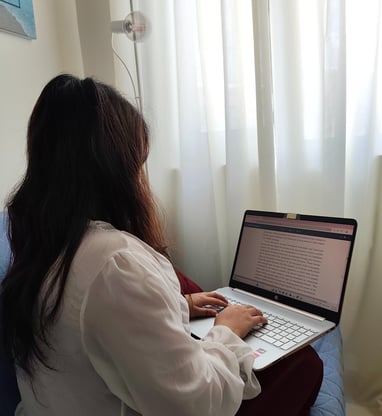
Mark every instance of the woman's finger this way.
pixel 217 296
pixel 259 319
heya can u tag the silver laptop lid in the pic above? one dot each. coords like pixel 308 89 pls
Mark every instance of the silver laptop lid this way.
pixel 297 260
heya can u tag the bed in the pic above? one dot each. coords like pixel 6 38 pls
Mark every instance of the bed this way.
pixel 330 401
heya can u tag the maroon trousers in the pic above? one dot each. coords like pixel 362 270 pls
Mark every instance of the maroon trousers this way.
pixel 289 387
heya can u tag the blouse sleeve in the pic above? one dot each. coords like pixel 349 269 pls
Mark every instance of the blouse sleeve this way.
pixel 132 331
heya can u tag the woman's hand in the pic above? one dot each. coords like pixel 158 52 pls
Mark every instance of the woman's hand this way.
pixel 240 318
pixel 205 303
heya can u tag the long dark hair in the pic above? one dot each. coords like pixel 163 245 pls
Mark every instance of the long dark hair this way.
pixel 86 149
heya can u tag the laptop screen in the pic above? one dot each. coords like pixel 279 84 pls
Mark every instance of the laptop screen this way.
pixel 295 259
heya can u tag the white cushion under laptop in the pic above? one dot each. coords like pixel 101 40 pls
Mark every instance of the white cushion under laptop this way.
pixel 294 268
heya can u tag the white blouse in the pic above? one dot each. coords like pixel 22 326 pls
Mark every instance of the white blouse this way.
pixel 122 344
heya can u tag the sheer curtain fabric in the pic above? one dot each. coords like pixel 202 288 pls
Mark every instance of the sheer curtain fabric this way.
pixel 273 105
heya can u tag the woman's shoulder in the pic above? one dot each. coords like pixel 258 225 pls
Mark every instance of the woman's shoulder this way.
pixel 109 255
pixel 103 244
pixel 100 243
pixel 103 240
pixel 120 261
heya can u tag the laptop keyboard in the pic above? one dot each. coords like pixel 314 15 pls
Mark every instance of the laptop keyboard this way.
pixel 279 331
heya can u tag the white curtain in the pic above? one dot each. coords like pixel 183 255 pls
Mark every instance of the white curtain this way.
pixel 199 97
pixel 274 105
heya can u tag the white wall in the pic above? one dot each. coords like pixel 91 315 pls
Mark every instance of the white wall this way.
pixel 26 66
pixel 73 36
pixel 95 38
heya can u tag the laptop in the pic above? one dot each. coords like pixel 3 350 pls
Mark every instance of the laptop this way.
pixel 294 268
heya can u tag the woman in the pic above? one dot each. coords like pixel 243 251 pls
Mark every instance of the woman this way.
pixel 92 310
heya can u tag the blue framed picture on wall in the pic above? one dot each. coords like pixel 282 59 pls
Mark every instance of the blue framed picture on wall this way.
pixel 17 17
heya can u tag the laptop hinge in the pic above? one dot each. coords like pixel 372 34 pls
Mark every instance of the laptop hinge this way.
pixel 291 308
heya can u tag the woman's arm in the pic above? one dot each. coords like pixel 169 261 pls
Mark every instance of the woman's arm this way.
pixel 134 324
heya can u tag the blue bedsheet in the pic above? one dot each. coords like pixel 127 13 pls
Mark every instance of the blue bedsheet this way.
pixel 331 399
pixel 4 246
